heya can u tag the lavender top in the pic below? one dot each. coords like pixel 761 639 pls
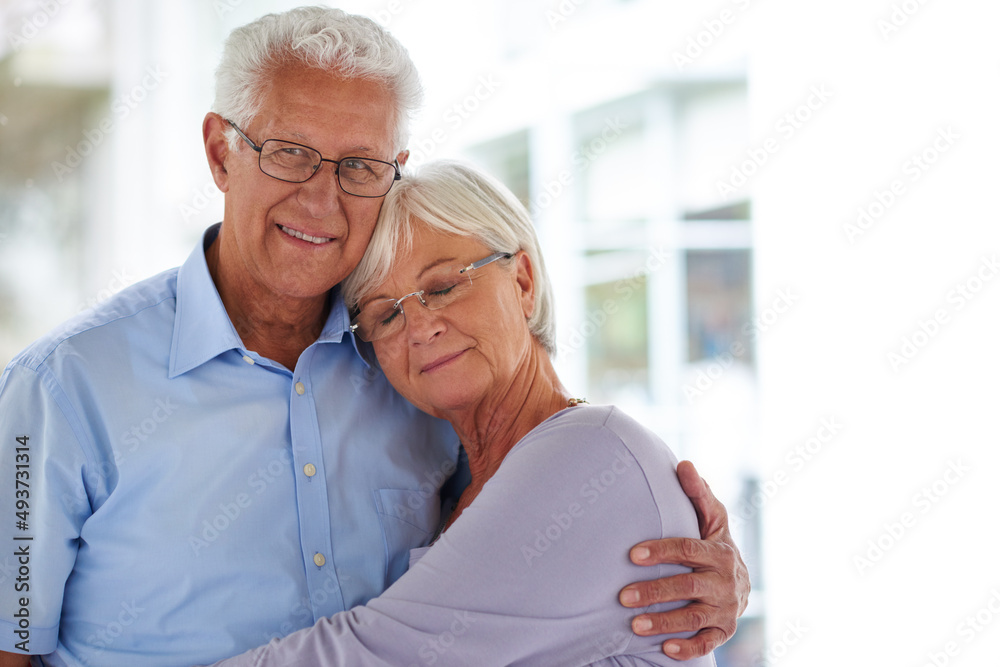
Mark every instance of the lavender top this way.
pixel 530 573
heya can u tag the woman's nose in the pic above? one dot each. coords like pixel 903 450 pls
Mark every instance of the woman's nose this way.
pixel 422 323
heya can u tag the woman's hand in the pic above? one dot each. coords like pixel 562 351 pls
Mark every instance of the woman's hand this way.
pixel 718 586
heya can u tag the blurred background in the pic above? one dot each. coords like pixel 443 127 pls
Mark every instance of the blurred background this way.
pixel 768 225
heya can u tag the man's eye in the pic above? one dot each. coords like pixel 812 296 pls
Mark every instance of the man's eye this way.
pixel 289 155
pixel 292 151
pixel 358 171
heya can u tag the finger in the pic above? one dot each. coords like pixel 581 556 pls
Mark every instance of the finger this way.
pixel 690 618
pixel 712 516
pixel 700 644
pixel 699 554
pixel 709 588
pixel 692 483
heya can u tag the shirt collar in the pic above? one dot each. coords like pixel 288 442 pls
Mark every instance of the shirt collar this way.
pixel 202 328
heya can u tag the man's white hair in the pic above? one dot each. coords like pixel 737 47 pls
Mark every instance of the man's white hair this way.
pixel 351 46
pixel 454 198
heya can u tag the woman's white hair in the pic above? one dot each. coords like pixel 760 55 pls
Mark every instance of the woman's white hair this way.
pixel 454 198
pixel 352 46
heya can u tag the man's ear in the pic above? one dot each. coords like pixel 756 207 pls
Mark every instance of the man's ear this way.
pixel 213 130
pixel 526 283
pixel 403 156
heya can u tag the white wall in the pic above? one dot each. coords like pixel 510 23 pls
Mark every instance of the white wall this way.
pixel 900 427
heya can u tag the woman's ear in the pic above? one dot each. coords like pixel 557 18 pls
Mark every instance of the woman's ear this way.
pixel 213 130
pixel 526 283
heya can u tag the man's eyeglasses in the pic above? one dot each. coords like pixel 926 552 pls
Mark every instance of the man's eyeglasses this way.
pixel 445 285
pixel 296 163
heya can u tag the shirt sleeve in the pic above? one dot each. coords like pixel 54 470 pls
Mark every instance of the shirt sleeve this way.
pixel 528 575
pixel 43 504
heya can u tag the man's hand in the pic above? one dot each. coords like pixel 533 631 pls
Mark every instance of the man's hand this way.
pixel 718 586
pixel 14 659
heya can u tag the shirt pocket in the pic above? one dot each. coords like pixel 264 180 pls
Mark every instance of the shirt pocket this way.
pixel 409 519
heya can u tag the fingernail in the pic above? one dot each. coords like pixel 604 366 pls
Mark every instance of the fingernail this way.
pixel 630 596
pixel 672 649
pixel 642 624
pixel 640 553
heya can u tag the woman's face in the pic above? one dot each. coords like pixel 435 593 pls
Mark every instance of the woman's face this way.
pixel 453 358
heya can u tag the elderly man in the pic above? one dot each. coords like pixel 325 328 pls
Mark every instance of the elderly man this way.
pixel 207 460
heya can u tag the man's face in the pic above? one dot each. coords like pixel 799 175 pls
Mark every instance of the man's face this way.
pixel 264 216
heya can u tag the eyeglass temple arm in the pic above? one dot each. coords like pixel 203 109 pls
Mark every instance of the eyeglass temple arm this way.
pixel 486 260
pixel 245 137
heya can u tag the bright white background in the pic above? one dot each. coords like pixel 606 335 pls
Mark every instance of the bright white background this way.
pixel 874 553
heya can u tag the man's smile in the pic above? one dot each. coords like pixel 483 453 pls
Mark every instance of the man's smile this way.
pixel 317 240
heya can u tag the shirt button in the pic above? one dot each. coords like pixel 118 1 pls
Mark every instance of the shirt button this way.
pixel 248 359
pixel 300 388
pixel 320 560
pixel 309 469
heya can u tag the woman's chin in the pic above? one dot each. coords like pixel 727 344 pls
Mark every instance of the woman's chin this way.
pixel 445 406
pixel 449 398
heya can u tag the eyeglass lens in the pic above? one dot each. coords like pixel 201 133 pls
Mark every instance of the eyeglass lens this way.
pixel 295 163
pixel 383 318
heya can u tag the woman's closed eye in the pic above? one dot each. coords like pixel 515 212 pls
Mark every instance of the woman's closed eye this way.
pixel 442 288
pixel 387 317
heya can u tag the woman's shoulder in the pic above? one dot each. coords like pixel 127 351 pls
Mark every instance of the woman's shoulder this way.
pixel 597 429
pixel 609 416
pixel 600 446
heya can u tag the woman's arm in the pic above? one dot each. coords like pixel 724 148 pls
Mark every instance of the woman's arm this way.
pixel 513 580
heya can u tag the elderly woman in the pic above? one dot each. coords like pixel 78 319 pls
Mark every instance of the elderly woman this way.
pixel 454 298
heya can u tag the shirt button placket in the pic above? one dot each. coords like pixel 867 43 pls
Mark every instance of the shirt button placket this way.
pixel 309 470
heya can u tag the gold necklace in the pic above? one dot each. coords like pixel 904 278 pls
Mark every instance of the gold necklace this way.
pixel 573 402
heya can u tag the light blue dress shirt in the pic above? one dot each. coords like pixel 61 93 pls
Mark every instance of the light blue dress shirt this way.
pixel 186 499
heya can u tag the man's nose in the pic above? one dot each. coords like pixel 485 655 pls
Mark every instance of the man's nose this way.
pixel 321 194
